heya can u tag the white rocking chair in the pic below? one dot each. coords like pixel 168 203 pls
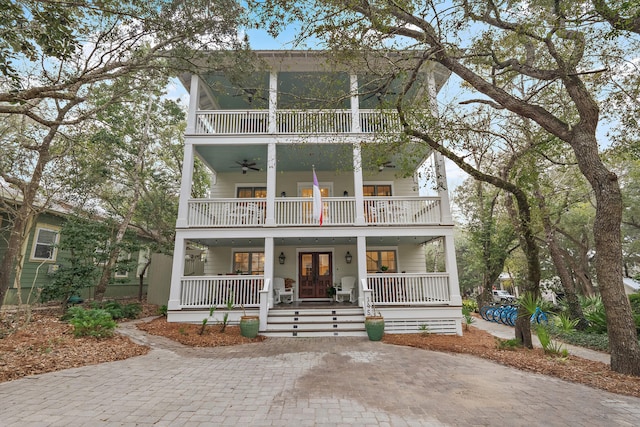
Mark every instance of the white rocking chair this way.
pixel 347 289
pixel 281 293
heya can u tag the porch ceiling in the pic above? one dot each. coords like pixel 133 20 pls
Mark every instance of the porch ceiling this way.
pixel 301 157
pixel 315 241
pixel 290 157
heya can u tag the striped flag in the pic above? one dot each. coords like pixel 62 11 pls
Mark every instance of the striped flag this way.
pixel 317 199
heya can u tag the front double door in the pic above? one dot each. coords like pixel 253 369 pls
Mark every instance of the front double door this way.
pixel 315 274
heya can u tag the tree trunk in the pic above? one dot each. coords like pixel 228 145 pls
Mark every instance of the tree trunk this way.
pixel 19 231
pixel 623 339
pixel 575 309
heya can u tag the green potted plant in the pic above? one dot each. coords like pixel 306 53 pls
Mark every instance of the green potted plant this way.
pixel 374 324
pixel 384 268
pixel 331 291
pixel 249 325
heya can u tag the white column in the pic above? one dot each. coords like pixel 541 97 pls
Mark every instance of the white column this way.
pixel 273 101
pixel 443 192
pixel 438 160
pixel 271 185
pixel 355 106
pixel 357 184
pixel 176 273
pixel 194 95
pixel 451 267
pixel 361 251
pixel 266 301
pixel 185 186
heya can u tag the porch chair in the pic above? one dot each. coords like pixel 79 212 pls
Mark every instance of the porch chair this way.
pixel 281 293
pixel 347 289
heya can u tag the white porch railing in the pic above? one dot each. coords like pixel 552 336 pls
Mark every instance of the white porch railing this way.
pixel 226 212
pixel 313 121
pixel 409 288
pixel 207 291
pixel 297 211
pixel 294 121
pixel 402 210
pixel 372 121
pixel 230 122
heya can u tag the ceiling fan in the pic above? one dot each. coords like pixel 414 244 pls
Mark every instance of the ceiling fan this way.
pixel 245 165
pixel 386 164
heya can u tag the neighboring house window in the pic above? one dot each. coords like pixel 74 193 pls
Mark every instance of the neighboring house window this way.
pixel 248 262
pixel 381 258
pixel 121 266
pixel 251 192
pixel 376 190
pixel 44 243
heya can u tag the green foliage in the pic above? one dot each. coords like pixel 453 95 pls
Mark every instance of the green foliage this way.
pixel 225 318
pixel 468 318
pixel 424 329
pixel 83 249
pixel 594 313
pixel 584 339
pixel 118 310
pixel 470 305
pixel 564 322
pixel 162 310
pixel 549 345
pixel 511 344
pixel 206 319
pixel 94 322
pixel 530 302
pixel 204 325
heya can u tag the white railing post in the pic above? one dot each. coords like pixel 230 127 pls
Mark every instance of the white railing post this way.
pixel 266 302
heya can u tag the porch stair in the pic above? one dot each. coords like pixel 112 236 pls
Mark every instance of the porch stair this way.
pixel 316 322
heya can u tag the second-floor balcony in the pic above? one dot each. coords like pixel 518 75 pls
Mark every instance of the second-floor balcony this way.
pixel 298 211
pixel 295 122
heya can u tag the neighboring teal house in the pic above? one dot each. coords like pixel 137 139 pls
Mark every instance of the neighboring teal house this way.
pixel 42 258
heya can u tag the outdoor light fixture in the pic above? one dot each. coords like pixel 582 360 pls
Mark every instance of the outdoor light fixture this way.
pixel 346 193
pixel 281 258
pixel 348 258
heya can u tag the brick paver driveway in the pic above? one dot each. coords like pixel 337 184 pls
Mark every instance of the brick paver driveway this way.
pixel 305 382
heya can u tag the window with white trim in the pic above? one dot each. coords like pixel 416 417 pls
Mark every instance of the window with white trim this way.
pixel 378 259
pixel 44 241
pixel 248 262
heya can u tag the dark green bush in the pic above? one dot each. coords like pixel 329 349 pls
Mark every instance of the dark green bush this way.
pixel 583 339
pixel 94 322
pixel 117 310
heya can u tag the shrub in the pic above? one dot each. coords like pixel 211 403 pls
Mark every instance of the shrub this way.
pixel 117 310
pixel 564 322
pixel 470 305
pixel 94 322
pixel 162 310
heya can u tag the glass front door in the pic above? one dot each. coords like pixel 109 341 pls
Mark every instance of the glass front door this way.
pixel 315 274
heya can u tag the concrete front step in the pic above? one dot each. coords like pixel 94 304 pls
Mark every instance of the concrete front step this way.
pixel 326 322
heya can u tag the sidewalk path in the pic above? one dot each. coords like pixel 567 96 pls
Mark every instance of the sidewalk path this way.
pixel 507 332
pixel 305 382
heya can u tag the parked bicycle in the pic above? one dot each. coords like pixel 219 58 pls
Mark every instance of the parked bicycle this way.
pixel 539 317
pixel 508 314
